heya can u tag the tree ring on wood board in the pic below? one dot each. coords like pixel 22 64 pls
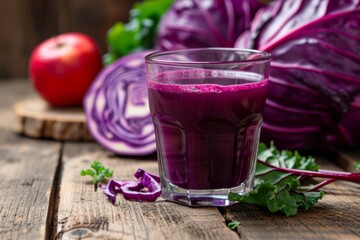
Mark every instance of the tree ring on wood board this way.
pixel 37 119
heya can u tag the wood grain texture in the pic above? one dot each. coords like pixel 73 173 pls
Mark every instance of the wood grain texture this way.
pixel 335 217
pixel 89 214
pixel 35 118
pixel 26 178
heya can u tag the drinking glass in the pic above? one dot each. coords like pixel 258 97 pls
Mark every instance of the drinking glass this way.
pixel 207 107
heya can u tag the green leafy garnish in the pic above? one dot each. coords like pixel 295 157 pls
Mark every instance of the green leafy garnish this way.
pixel 285 199
pixel 278 189
pixel 139 33
pixel 233 225
pixel 98 172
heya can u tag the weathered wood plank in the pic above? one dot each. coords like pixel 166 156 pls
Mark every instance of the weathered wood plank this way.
pixel 89 214
pixel 336 216
pixel 26 175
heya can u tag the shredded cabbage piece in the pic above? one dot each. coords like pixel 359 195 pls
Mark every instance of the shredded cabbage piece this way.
pixel 146 189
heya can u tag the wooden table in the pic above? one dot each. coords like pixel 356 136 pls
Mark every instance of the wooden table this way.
pixel 42 196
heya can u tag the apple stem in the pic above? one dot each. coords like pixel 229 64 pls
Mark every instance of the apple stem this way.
pixel 57 42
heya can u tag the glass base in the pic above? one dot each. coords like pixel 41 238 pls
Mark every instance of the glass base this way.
pixel 203 197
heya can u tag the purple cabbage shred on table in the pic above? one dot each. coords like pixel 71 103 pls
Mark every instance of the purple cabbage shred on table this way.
pixel 146 189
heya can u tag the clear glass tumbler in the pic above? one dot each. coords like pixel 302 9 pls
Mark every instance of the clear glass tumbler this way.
pixel 207 107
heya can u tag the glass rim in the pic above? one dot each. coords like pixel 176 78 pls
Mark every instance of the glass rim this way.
pixel 150 58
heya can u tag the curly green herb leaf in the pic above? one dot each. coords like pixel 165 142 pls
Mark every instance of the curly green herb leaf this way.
pixel 98 172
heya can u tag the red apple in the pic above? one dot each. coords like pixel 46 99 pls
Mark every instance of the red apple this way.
pixel 63 67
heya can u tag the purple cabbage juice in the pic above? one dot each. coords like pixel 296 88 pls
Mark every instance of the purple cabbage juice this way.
pixel 207 126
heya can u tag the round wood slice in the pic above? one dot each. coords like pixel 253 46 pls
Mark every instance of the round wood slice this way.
pixel 35 118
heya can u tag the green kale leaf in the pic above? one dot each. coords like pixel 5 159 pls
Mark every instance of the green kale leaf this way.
pixel 277 187
pixel 139 33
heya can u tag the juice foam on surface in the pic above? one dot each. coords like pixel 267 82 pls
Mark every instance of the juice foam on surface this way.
pixel 206 81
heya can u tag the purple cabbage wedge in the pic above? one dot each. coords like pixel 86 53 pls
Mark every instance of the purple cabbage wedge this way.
pixel 349 126
pixel 210 23
pixel 315 69
pixel 116 107
pixel 347 134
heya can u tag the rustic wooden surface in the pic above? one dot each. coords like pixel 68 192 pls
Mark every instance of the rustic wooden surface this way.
pixel 81 210
pixel 35 118
pixel 42 196
pixel 27 175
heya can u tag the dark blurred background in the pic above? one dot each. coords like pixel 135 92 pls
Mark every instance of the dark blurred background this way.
pixel 25 23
